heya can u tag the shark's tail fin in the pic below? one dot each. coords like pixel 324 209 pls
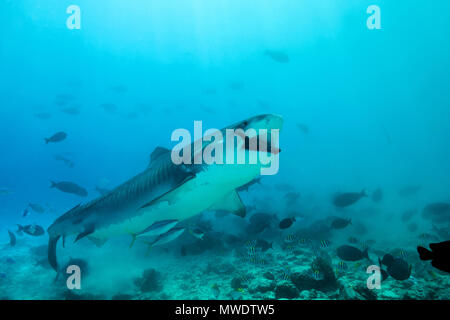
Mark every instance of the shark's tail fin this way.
pixel 19 228
pixel 46 140
pixel 364 193
pixel 53 184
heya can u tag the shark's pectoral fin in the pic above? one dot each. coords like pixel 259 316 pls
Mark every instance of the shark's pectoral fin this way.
pixel 232 203
pixel 98 242
pixel 85 233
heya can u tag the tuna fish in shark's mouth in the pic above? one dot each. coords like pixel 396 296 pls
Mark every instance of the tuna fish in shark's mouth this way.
pixel 163 192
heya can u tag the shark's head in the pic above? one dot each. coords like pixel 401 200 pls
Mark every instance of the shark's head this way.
pixel 69 223
pixel 263 121
pixel 257 142
pixel 259 129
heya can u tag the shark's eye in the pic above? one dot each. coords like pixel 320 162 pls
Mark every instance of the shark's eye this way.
pixel 245 123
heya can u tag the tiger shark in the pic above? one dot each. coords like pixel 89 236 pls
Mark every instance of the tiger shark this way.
pixel 165 191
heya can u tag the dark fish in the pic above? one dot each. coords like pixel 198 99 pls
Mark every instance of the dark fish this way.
pixel 32 230
pixel 384 273
pixel 348 198
pixel 71 110
pixel 169 236
pixel 408 214
pixel 353 240
pixel 263 104
pixel 69 187
pixel 439 255
pixel 278 56
pixel 157 228
pixel 216 291
pixel 387 259
pixel 61 103
pixel 12 239
pixel 65 160
pixel 340 223
pixel 132 115
pixel 5 192
pixel 409 191
pixel 350 253
pixel 303 128
pixel 398 268
pixel 263 245
pixel 57 137
pixel 377 195
pixel 43 115
pixel 286 223
pixel 292 197
pixel 26 212
pixel 437 212
pixel 36 207
pixel 109 107
pixel 119 88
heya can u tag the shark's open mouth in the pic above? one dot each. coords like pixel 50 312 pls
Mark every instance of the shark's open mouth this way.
pixel 260 144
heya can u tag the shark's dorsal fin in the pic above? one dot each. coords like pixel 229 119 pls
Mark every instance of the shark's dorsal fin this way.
pixel 157 153
pixel 232 203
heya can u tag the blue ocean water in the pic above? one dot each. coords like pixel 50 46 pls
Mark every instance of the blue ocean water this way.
pixel 363 109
